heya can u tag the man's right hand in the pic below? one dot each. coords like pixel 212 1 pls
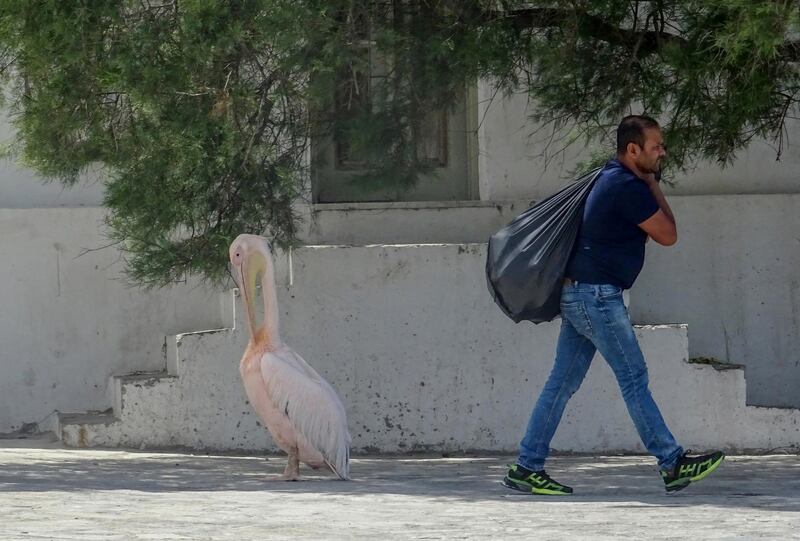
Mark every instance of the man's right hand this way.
pixel 661 226
pixel 650 179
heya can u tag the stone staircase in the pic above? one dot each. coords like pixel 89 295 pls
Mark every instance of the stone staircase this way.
pixel 424 362
pixel 193 403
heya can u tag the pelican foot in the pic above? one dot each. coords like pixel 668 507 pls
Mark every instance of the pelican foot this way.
pixel 281 477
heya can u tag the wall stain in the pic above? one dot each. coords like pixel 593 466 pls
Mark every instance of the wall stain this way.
pixel 83 437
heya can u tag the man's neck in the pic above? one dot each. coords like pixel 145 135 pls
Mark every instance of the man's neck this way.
pixel 628 162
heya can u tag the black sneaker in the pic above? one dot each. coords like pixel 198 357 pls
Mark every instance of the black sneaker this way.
pixel 691 468
pixel 533 482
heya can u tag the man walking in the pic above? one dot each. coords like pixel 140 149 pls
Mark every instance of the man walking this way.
pixel 625 206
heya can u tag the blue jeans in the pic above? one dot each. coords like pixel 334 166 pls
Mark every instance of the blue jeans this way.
pixel 594 318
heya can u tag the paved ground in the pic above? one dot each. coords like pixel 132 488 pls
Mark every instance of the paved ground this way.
pixel 51 493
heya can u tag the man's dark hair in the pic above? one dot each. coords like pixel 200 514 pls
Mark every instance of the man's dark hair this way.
pixel 631 130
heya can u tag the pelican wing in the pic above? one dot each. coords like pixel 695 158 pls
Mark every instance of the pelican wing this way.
pixel 310 403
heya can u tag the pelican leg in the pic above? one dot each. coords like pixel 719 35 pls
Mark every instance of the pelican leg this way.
pixel 292 471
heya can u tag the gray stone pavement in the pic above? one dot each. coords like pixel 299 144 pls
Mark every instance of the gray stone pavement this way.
pixel 51 493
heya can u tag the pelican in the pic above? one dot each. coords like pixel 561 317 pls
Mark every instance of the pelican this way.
pixel 299 408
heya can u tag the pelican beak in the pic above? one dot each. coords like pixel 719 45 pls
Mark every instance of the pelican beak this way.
pixel 237 275
pixel 240 283
pixel 247 273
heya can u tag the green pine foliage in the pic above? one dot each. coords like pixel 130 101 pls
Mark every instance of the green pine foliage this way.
pixel 199 113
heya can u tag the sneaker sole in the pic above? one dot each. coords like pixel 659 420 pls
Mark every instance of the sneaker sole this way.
pixel 700 477
pixel 710 470
pixel 676 488
pixel 529 489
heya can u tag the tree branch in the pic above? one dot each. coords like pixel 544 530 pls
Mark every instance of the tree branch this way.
pixel 790 51
pixel 644 41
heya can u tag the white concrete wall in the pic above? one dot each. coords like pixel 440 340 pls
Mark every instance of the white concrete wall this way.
pixel 733 277
pixel 511 164
pixel 70 321
pixel 424 361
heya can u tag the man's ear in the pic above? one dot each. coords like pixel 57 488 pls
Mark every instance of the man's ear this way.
pixel 633 151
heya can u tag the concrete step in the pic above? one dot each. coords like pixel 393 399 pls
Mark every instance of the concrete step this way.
pixel 424 361
pixel 80 429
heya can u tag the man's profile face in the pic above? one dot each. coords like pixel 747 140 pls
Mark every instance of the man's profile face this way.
pixel 648 158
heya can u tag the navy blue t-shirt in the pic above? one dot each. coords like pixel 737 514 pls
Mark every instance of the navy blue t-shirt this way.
pixel 610 244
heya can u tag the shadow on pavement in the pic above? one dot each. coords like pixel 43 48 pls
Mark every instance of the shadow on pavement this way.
pixel 768 482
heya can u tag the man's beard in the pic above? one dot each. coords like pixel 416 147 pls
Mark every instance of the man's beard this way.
pixel 648 170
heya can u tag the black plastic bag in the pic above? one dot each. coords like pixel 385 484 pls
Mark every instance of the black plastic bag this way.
pixel 526 259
